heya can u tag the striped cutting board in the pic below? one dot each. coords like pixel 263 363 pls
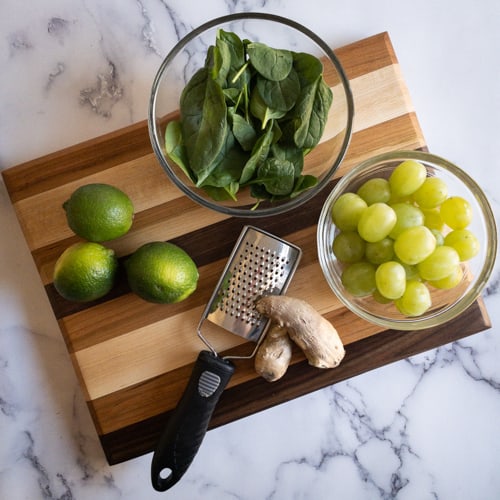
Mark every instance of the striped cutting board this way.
pixel 133 358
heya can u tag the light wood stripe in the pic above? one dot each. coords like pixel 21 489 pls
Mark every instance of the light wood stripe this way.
pixel 375 101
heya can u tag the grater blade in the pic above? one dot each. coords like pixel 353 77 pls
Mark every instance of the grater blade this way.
pixel 260 264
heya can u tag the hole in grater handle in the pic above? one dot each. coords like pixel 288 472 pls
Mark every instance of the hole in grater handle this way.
pixel 260 264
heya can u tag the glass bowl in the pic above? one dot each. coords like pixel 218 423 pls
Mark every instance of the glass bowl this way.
pixel 190 54
pixel 446 304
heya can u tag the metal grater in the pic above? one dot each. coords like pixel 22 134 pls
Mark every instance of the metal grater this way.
pixel 260 264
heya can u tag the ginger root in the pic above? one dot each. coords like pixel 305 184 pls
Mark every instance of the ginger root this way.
pixel 314 334
pixel 274 354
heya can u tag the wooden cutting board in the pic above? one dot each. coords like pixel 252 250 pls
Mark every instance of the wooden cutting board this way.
pixel 133 358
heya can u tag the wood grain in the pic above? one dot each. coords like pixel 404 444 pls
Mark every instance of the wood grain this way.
pixel 133 358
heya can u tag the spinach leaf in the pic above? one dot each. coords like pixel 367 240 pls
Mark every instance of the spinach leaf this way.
pixel 277 176
pixel 204 122
pixel 228 192
pixel 260 110
pixel 242 129
pixel 273 64
pixel 260 151
pixel 175 149
pixel 232 95
pixel 221 63
pixel 309 116
pixel 279 95
pixel 308 67
pixel 233 52
pixel 303 183
pixel 311 113
pixel 291 153
pixel 258 191
pixel 227 166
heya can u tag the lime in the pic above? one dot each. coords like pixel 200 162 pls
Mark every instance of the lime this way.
pixel 99 212
pixel 161 272
pixel 85 271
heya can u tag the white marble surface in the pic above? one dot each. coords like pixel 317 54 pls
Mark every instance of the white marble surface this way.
pixel 423 428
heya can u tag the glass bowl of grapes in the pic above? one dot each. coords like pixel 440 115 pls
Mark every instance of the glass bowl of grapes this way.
pixel 250 114
pixel 407 240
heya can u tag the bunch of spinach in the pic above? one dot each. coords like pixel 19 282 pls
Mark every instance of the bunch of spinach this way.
pixel 247 118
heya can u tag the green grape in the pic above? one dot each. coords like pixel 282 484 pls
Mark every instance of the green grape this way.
pixel 439 237
pixel 414 244
pixel 376 190
pixel 456 212
pixel 406 216
pixel 359 278
pixel 347 210
pixel 415 300
pixel 407 177
pixel 441 263
pixel 432 219
pixel 399 199
pixel 376 222
pixel 464 242
pixel 380 251
pixel 431 193
pixel 410 270
pixel 450 281
pixel 390 278
pixel 349 247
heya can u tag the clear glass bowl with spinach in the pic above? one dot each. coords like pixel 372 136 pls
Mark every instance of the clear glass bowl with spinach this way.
pixel 250 114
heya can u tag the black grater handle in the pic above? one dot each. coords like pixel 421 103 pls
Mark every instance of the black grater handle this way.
pixel 188 423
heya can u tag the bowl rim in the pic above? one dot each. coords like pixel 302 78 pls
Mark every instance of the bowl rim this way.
pixel 154 133
pixel 451 311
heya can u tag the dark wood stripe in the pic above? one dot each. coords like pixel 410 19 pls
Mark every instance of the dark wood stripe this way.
pixel 257 395
pixel 364 57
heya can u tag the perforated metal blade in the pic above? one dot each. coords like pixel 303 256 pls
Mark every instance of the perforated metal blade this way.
pixel 260 264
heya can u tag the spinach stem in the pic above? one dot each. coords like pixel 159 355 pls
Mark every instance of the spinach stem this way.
pixel 240 72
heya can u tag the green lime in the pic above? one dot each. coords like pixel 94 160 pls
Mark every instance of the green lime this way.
pixel 161 272
pixel 85 271
pixel 99 212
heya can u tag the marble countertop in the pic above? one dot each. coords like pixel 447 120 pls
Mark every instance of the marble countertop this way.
pixel 422 428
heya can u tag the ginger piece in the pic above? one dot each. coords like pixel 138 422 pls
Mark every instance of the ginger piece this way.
pixel 314 334
pixel 274 354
